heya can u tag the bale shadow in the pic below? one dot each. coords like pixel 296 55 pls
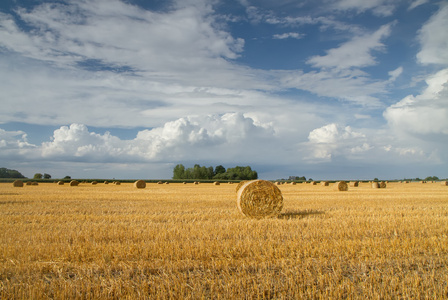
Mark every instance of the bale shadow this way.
pixel 297 214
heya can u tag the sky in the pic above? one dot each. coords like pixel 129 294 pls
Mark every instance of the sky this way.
pixel 326 89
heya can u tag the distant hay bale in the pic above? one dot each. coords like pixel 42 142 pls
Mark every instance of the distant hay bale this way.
pixel 277 183
pixel 28 183
pixel 341 186
pixel 375 185
pixel 17 183
pixel 34 183
pixel 74 183
pixel 140 184
pixel 167 182
pixel 159 182
pixel 325 183
pixel 117 183
pixel 94 182
pixel 196 182
pixel 259 198
pixel 216 183
pixel 313 183
pixel 444 183
pixel 60 182
pixel 105 182
pixel 240 184
pixel 354 183
pixel 184 182
pixel 382 185
pixel 293 183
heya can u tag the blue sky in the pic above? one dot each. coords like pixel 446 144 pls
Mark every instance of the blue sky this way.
pixel 329 89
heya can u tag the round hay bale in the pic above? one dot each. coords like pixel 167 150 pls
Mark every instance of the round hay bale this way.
pixel 354 183
pixel 382 185
pixel 341 186
pixel 159 182
pixel 375 185
pixel 444 183
pixel 196 182
pixel 117 183
pixel 34 183
pixel 293 183
pixel 313 183
pixel 94 182
pixel 216 183
pixel 60 182
pixel 140 184
pixel 167 182
pixel 74 183
pixel 28 183
pixel 240 184
pixel 184 182
pixel 325 183
pixel 105 182
pixel 17 183
pixel 259 198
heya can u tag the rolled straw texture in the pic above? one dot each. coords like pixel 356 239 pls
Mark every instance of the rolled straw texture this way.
pixel 444 182
pixel 382 185
pixel 325 183
pixel 17 183
pixel 341 186
pixel 375 185
pixel 259 198
pixel 240 184
pixel 74 183
pixel 140 184
pixel 60 182
pixel 354 183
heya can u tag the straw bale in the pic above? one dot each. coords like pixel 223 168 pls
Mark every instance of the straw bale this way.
pixel 216 183
pixel 382 185
pixel 444 182
pixel 259 198
pixel 313 182
pixel 105 182
pixel 293 183
pixel 159 182
pixel 375 185
pixel 17 183
pixel 354 183
pixel 28 183
pixel 167 182
pixel 34 183
pixel 325 183
pixel 240 184
pixel 140 184
pixel 341 186
pixel 94 182
pixel 60 182
pixel 74 183
pixel 117 183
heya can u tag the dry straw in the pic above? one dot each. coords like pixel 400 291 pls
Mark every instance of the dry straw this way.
pixel 341 186
pixel 140 184
pixel 325 183
pixel 117 183
pixel 60 182
pixel 216 183
pixel 240 184
pixel 159 182
pixel 74 183
pixel 382 185
pixel 94 182
pixel 375 185
pixel 354 183
pixel 28 183
pixel 313 183
pixel 259 198
pixel 17 183
pixel 444 182
pixel 105 182
pixel 34 183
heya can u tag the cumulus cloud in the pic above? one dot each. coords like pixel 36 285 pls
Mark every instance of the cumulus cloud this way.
pixel 382 8
pixel 426 113
pixel 434 39
pixel 293 35
pixel 393 75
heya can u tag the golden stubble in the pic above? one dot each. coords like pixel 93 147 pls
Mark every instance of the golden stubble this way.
pixel 189 241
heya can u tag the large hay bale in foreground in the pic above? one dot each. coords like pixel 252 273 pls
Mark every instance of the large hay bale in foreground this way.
pixel 17 183
pixel 140 184
pixel 240 184
pixel 354 183
pixel 259 198
pixel 341 186
pixel 74 183
pixel 382 185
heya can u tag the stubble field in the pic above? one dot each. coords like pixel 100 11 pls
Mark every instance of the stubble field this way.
pixel 176 241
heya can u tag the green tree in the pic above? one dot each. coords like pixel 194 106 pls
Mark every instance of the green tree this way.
pixel 219 170
pixel 47 176
pixel 67 177
pixel 8 173
pixel 38 176
pixel 179 172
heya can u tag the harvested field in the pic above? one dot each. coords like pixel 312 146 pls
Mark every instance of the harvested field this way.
pixel 185 241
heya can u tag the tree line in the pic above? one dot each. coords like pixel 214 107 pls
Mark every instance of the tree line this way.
pixel 219 172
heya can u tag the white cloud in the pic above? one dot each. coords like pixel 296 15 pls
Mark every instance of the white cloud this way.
pixel 434 39
pixel 382 8
pixel 354 53
pixel 294 35
pixel 393 75
pixel 426 113
pixel 417 3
